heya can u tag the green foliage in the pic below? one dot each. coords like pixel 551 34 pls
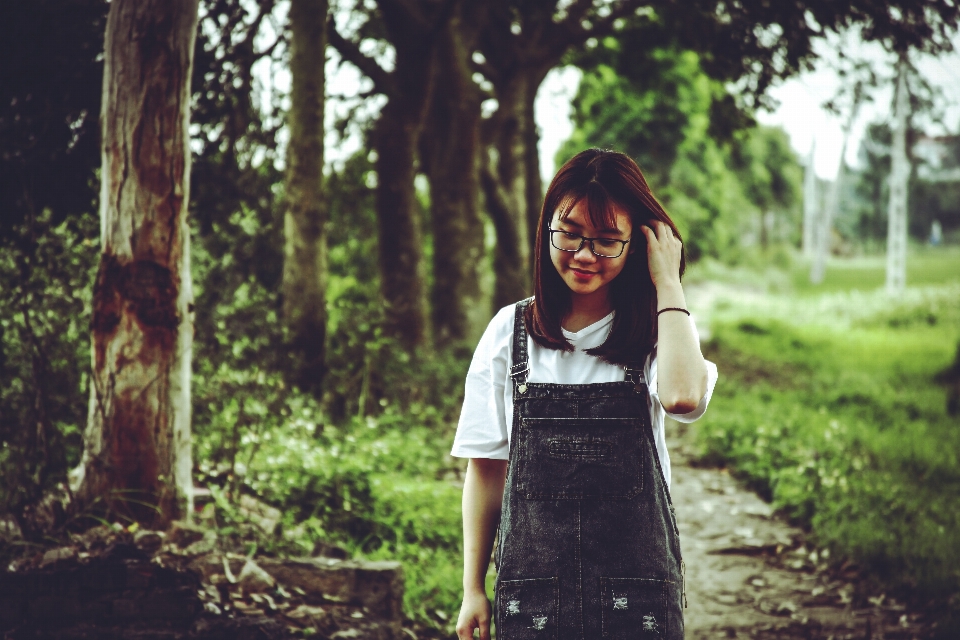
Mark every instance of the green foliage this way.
pixel 366 466
pixel 659 107
pixel 844 428
pixel 46 273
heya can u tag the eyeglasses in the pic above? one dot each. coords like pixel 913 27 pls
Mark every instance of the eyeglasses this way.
pixel 601 247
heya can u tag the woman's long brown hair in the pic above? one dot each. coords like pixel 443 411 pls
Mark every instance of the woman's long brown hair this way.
pixel 603 179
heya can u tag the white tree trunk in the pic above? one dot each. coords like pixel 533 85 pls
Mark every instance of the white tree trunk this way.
pixel 899 177
pixel 811 204
pixel 824 225
pixel 137 459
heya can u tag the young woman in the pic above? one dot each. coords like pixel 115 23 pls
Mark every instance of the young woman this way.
pixel 563 422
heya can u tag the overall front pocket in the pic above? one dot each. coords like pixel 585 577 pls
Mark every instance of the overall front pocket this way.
pixel 634 608
pixel 528 609
pixel 580 458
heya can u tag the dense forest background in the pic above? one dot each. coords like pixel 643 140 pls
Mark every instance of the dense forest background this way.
pixel 341 412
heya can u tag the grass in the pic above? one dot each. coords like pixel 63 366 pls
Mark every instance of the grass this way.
pixel 925 266
pixel 828 406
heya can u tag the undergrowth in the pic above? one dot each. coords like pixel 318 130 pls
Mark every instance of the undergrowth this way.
pixel 842 422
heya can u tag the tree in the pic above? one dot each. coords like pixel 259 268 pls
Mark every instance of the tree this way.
pixel 450 157
pixel 305 242
pixel 520 44
pixel 137 457
pixel 412 28
pixel 899 179
pixel 859 79
pixel 750 43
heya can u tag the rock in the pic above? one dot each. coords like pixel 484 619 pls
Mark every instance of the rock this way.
pixel 253 579
pixel 378 586
pixel 54 556
pixel 309 616
pixel 260 513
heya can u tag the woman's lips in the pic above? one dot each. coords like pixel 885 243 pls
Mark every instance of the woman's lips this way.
pixel 583 275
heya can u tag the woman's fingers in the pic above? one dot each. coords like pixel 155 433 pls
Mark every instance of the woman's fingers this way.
pixel 465 632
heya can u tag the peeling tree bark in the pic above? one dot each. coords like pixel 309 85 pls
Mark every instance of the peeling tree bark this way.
pixel 305 242
pixel 137 460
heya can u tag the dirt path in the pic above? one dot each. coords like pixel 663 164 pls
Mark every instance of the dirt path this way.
pixel 749 574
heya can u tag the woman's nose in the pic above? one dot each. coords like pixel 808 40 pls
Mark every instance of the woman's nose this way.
pixel 584 254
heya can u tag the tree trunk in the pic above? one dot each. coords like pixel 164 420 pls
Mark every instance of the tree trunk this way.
pixel 514 137
pixel 899 177
pixel 136 460
pixel 396 138
pixel 450 153
pixel 824 226
pixel 811 204
pixel 533 183
pixel 305 243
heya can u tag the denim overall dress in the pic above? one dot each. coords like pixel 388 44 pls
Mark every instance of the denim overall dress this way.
pixel 588 543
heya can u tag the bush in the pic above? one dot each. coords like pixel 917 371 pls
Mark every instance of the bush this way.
pixel 46 276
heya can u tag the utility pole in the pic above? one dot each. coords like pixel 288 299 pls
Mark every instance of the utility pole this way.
pixel 811 204
pixel 899 176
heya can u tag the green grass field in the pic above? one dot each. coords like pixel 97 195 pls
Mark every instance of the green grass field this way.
pixel 829 405
pixel 925 266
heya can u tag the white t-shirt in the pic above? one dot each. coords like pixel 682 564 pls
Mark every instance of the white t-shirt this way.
pixel 486 420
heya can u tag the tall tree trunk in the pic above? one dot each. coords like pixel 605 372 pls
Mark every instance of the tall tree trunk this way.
pixel 396 138
pixel 824 227
pixel 136 457
pixel 533 183
pixel 899 178
pixel 450 152
pixel 514 137
pixel 305 242
pixel 811 204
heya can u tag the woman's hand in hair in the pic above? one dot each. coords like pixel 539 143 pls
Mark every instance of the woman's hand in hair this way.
pixel 663 254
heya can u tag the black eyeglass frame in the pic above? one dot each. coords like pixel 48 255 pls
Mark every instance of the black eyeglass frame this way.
pixel 583 239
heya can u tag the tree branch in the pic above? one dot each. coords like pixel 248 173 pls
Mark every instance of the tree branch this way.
pixel 349 51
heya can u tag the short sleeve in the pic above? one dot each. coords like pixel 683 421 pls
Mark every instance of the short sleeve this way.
pixel 482 429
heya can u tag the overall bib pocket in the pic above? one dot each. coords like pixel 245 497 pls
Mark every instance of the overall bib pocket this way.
pixel 580 458
pixel 634 608
pixel 528 609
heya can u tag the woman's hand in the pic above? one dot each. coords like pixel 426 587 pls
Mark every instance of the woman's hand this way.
pixel 474 614
pixel 663 254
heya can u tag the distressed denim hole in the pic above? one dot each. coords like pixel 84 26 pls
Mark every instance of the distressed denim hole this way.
pixel 633 607
pixel 528 609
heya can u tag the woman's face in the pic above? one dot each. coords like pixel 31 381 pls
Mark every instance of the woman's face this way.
pixel 585 273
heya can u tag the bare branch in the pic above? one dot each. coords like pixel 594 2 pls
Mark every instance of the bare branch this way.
pixel 350 52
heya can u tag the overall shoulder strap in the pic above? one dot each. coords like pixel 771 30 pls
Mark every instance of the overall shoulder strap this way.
pixel 520 366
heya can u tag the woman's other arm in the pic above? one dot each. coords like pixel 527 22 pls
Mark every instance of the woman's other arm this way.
pixel 681 370
pixel 482 498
